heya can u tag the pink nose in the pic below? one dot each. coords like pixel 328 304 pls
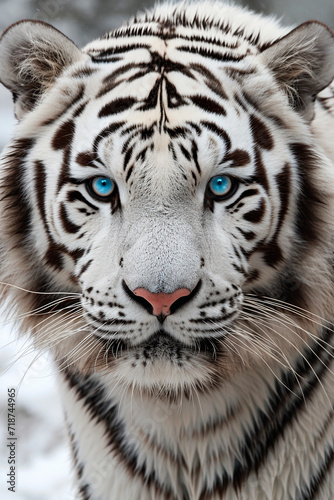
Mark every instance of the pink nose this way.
pixel 161 302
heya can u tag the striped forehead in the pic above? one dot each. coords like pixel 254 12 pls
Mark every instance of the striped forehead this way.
pixel 158 79
pixel 158 90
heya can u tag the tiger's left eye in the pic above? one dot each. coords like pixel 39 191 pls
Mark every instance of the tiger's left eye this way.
pixel 221 187
pixel 101 188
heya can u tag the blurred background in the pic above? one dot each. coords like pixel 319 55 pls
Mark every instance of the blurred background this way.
pixel 43 457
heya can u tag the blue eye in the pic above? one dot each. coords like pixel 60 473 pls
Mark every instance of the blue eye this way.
pixel 221 187
pixel 101 188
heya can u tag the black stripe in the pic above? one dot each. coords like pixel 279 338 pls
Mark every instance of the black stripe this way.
pixel 174 99
pixel 64 135
pixel 13 190
pixel 129 173
pixel 127 156
pixel 194 151
pixel 63 176
pixel 95 399
pixel 83 490
pixel 319 477
pixel 80 109
pixel 208 104
pixel 213 320
pixel 53 255
pixel 117 106
pixel 185 152
pixel 85 267
pixel 86 159
pixel 175 133
pixel 196 127
pixel 77 196
pixel 111 129
pixel 272 252
pixel 248 235
pixel 84 72
pixel 255 216
pixel 239 269
pixel 237 158
pixel 151 100
pixel 219 132
pixel 245 194
pixel 67 224
pixel 141 156
pixel 261 135
pixel 210 80
pixel 77 97
pixel 114 321
pixel 310 198
pixel 109 82
pixel 283 406
pixel 260 170
pixel 210 54
pixel 116 50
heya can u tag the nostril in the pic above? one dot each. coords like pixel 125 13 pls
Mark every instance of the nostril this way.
pixel 183 300
pixel 137 298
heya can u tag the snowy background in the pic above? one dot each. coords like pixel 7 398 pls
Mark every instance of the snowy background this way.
pixel 43 467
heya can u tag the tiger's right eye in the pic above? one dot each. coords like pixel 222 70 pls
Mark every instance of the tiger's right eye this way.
pixel 101 188
pixel 221 187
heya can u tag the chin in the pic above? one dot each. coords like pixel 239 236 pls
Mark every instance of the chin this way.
pixel 163 366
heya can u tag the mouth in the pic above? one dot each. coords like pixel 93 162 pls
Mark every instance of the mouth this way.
pixel 162 345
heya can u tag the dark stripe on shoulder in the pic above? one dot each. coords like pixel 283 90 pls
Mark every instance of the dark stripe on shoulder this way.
pixel 319 477
pixel 283 406
pixel 95 399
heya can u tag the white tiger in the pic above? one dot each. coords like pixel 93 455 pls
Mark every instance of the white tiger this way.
pixel 167 233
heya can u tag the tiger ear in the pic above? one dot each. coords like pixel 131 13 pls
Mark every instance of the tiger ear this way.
pixel 32 56
pixel 303 64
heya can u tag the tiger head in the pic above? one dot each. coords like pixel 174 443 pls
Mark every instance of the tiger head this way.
pixel 163 193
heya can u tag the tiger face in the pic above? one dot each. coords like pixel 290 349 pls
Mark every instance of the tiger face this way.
pixel 162 186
